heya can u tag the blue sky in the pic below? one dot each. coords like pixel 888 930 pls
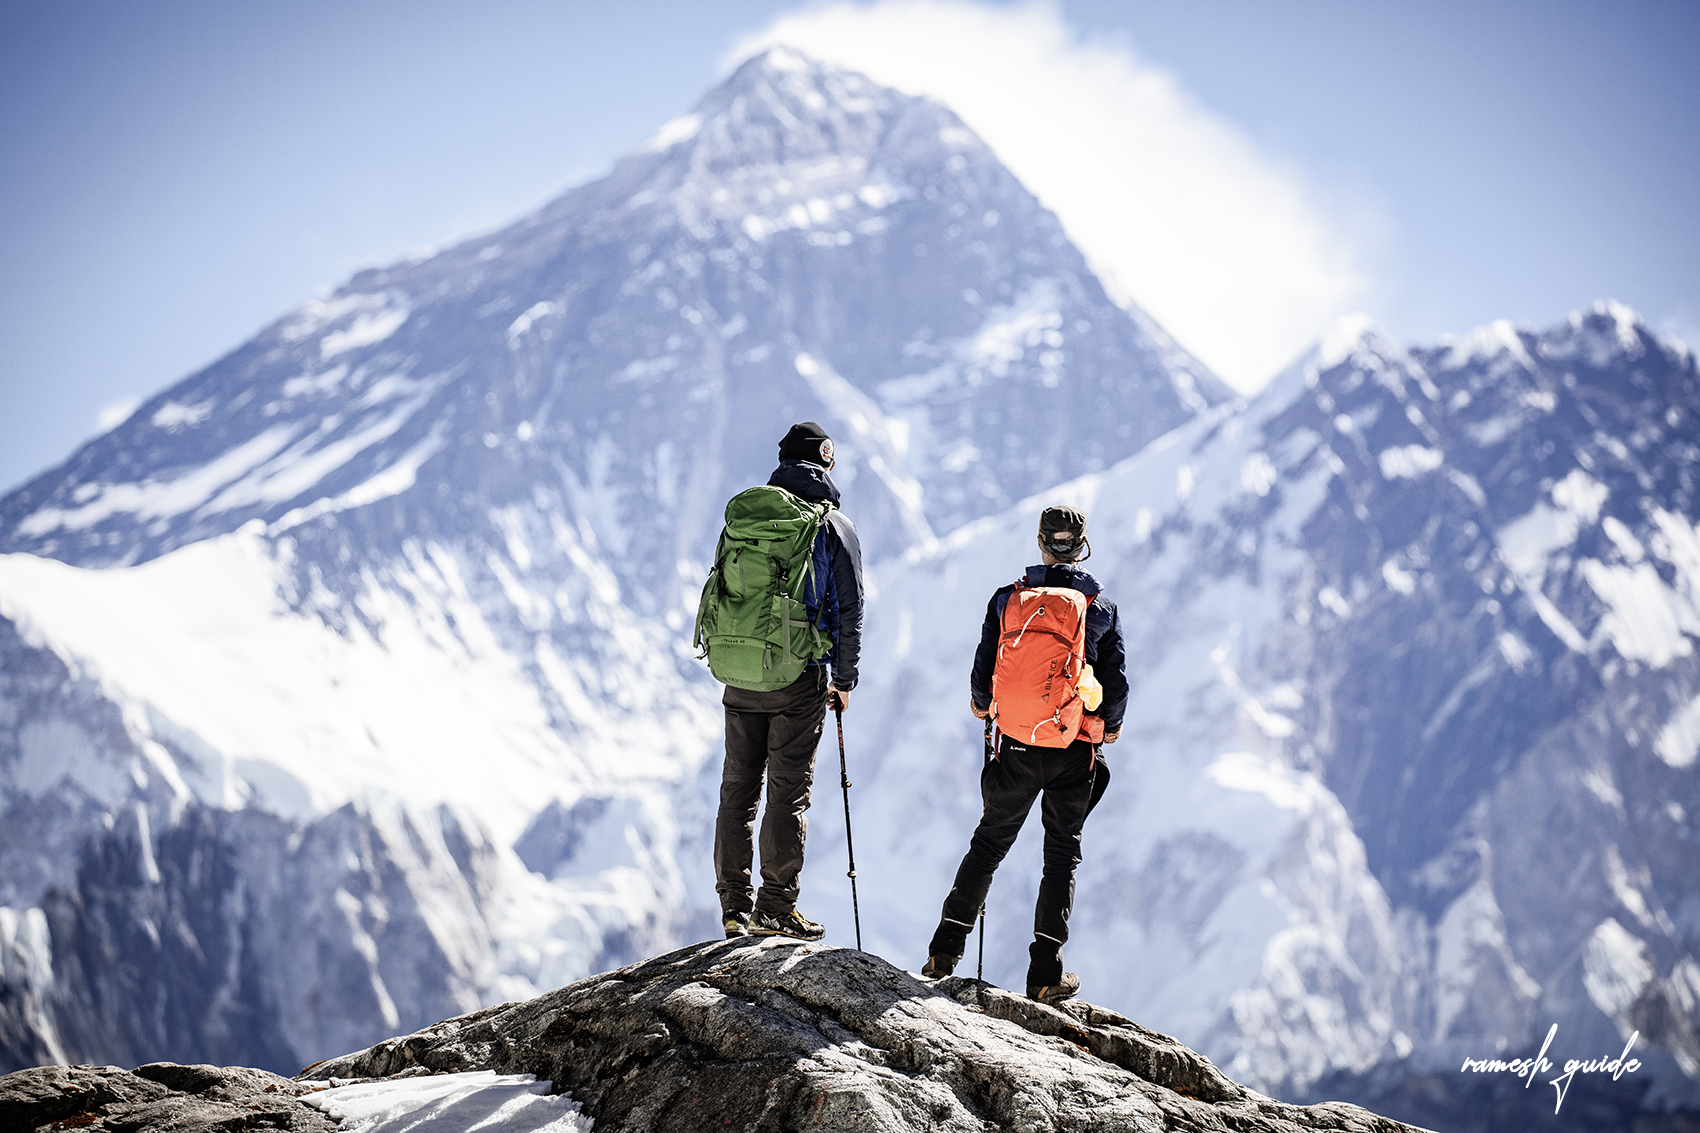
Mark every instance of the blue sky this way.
pixel 173 176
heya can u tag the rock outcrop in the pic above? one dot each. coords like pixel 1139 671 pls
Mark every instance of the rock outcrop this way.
pixel 159 1096
pixel 761 1035
pixel 774 1034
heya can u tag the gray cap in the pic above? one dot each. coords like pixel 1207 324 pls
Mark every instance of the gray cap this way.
pixel 1062 531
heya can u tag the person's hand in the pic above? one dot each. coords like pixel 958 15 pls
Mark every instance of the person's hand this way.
pixel 838 699
pixel 979 713
pixel 1112 737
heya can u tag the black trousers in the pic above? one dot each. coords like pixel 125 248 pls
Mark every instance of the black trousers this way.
pixel 1008 785
pixel 771 734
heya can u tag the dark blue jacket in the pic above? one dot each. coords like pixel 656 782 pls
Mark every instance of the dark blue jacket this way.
pixel 834 593
pixel 1104 649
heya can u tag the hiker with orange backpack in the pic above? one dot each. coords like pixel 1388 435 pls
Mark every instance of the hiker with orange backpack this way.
pixel 1050 672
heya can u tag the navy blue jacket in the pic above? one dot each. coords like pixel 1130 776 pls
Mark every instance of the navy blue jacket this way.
pixel 1104 649
pixel 834 593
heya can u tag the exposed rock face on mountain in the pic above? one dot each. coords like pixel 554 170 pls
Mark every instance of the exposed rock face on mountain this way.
pixel 780 1035
pixel 292 660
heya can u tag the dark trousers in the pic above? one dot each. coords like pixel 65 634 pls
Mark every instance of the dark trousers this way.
pixel 1008 786
pixel 771 733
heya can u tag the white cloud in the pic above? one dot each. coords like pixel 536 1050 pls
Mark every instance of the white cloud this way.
pixel 115 414
pixel 1174 206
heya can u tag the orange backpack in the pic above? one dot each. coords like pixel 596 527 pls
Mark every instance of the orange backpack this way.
pixel 1041 651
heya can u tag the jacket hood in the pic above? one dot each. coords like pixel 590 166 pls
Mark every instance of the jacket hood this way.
pixel 806 480
pixel 1063 574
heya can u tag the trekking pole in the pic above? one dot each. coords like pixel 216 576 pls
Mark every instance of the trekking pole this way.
pixel 991 754
pixel 849 844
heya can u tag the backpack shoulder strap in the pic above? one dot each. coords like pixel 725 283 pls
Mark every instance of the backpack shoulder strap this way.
pixel 820 509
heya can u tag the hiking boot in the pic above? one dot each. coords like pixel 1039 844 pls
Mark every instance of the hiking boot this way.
pixel 736 924
pixel 938 967
pixel 1057 992
pixel 786 924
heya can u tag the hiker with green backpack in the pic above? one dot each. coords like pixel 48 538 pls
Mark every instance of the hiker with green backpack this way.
pixel 780 622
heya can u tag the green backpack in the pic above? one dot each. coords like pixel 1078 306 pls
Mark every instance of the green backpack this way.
pixel 752 623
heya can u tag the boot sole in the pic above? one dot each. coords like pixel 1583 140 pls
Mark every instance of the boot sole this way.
pixel 782 932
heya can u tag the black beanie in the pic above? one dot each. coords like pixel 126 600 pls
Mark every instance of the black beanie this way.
pixel 807 441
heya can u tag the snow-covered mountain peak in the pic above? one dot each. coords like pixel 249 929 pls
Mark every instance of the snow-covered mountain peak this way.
pixel 781 93
pixel 439 537
pixel 804 245
pixel 1486 342
pixel 1330 375
pixel 773 122
pixel 788 143
pixel 1604 334
pixel 1345 336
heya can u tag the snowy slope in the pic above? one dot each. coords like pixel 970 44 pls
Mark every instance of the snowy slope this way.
pixel 317 823
pixel 344 685
pixel 1407 775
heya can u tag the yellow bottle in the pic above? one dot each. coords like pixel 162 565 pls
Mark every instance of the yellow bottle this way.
pixel 1091 692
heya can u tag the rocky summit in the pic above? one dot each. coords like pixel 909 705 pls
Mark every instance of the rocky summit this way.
pixel 774 1034
pixel 747 1034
